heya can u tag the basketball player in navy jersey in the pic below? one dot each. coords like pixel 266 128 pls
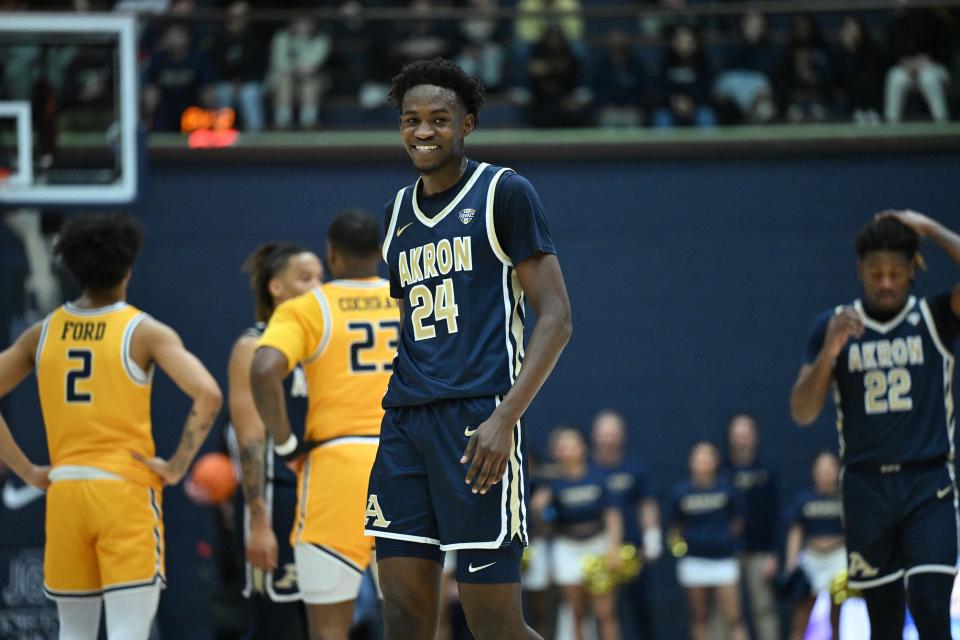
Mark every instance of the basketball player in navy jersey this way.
pixel 465 246
pixel 889 359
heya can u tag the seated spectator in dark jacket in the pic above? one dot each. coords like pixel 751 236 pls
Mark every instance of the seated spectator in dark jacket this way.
pixel 618 84
pixel 747 81
pixel 860 71
pixel 241 57
pixel 558 95
pixel 920 48
pixel 685 80
pixel 177 77
pixel 806 74
pixel 482 54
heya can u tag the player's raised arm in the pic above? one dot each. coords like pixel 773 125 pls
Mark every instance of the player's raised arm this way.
pixel 157 343
pixel 261 544
pixel 810 390
pixel 945 238
pixel 16 363
pixel 542 280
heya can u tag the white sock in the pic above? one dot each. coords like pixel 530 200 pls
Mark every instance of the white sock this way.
pixel 130 613
pixel 79 618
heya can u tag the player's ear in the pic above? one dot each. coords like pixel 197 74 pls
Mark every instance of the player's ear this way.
pixel 275 287
pixel 469 124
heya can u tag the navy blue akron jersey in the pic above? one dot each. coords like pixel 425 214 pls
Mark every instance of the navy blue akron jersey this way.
pixel 705 517
pixel 452 260
pixel 892 387
pixel 817 514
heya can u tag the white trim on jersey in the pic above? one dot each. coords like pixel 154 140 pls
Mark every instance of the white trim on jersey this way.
pixel 956 501
pixel 435 220
pixel 491 228
pixel 884 327
pixel 948 363
pixel 336 442
pixel 397 201
pixel 327 324
pixel 931 568
pixel 133 370
pixel 40 343
pixel 77 311
pixel 80 472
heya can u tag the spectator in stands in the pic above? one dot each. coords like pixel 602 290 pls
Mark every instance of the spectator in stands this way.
pixel 297 77
pixel 586 523
pixel 423 38
pixel 920 48
pixel 815 540
pixel 756 486
pixel 88 91
pixel 618 82
pixel 860 71
pixel 177 77
pixel 482 53
pixel 241 65
pixel 706 517
pixel 747 81
pixel 805 73
pixel 559 96
pixel 685 79
pixel 536 17
pixel 628 488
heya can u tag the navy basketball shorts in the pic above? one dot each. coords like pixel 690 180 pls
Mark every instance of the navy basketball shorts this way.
pixel 900 521
pixel 419 504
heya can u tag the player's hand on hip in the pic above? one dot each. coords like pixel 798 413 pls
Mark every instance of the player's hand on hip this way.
pixel 261 547
pixel 487 452
pixel 161 468
pixel 843 326
pixel 920 223
pixel 39 477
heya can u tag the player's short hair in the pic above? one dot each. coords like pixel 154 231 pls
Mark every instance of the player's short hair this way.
pixel 356 233
pixel 887 233
pixel 439 73
pixel 98 250
pixel 264 264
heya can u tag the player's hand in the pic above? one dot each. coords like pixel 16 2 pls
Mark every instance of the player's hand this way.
pixel 843 326
pixel 614 561
pixel 261 548
pixel 39 477
pixel 920 223
pixel 487 452
pixel 161 468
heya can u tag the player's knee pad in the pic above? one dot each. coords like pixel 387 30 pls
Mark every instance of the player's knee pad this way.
pixel 886 605
pixel 929 597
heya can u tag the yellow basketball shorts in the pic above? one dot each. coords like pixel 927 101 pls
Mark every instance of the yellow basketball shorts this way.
pixel 102 536
pixel 332 499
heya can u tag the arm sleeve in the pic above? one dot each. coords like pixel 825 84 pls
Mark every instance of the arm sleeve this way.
pixel 295 329
pixel 818 334
pixel 947 322
pixel 519 219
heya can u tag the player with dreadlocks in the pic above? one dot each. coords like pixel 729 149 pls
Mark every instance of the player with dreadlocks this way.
pixel 889 359
pixel 464 246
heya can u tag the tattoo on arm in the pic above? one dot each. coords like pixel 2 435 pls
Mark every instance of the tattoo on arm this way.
pixel 272 409
pixel 194 432
pixel 252 466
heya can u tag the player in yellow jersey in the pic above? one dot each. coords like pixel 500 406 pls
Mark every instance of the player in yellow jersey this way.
pixel 94 358
pixel 345 335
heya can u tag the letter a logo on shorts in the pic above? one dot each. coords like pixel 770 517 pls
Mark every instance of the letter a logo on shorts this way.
pixel 858 567
pixel 374 511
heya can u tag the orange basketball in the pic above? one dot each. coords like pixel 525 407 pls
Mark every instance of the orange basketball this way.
pixel 212 480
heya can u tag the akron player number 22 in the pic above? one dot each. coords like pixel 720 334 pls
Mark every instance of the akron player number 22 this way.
pixel 442 306
pixel 886 391
pixel 85 356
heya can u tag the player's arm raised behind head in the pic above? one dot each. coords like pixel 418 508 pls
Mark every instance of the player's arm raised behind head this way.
pixel 16 363
pixel 154 342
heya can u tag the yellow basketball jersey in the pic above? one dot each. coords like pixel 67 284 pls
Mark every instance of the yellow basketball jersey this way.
pixel 95 398
pixel 345 335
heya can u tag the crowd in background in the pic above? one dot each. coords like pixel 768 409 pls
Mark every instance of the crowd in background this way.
pixel 743 553
pixel 549 67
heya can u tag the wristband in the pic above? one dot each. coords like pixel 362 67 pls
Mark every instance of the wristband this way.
pixel 287 447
